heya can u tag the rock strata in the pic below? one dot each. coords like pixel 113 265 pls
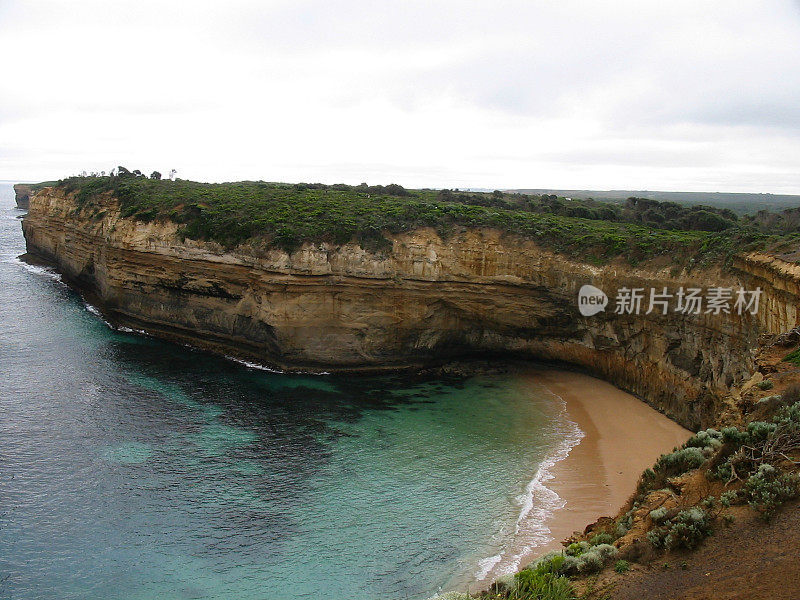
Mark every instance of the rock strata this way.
pixel 425 301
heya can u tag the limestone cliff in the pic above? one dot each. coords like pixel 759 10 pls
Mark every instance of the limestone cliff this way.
pixel 426 300
pixel 22 193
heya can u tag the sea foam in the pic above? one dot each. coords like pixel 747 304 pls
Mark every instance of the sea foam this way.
pixel 538 503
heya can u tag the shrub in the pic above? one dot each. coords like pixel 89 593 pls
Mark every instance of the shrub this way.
pixel 761 443
pixel 656 537
pixel 622 566
pixel 580 557
pixel 577 548
pixel 768 489
pixel 625 522
pixel 733 435
pixel 532 585
pixel 689 528
pixel 681 461
pixel 766 384
pixel 589 563
pixel 646 481
pixel 728 498
pixel 789 417
pixel 759 431
pixel 658 515
pixel 723 472
pixel 595 558
pixel 552 562
pixel 702 439
pixel 604 551
pixel 601 538
pixel 685 530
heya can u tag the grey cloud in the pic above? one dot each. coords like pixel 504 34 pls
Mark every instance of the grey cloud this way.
pixel 693 77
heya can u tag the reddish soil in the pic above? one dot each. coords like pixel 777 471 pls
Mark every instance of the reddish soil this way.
pixel 750 560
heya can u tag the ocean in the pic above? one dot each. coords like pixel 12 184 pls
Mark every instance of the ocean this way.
pixel 132 468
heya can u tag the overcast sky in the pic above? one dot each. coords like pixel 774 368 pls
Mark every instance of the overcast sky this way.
pixel 697 95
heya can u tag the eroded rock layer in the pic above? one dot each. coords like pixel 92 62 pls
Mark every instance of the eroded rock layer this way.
pixel 480 292
pixel 22 194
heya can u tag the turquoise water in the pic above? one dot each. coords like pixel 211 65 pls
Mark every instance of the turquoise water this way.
pixel 132 468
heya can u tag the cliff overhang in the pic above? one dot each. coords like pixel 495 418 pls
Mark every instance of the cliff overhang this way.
pixel 422 301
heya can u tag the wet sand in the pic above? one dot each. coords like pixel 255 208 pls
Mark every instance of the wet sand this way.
pixel 622 437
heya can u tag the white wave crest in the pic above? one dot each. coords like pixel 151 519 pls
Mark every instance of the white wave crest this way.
pixel 537 503
pixel 48 272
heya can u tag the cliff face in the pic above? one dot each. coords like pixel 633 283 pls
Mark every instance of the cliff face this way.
pixel 22 194
pixel 343 308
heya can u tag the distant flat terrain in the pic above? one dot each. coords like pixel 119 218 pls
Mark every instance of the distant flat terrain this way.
pixel 740 203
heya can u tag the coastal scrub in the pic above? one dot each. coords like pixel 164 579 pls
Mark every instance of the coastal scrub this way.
pixel 288 215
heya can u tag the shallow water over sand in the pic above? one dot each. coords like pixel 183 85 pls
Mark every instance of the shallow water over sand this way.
pixel 131 468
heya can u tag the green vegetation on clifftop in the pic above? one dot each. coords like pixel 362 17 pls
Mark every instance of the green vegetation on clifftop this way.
pixel 287 215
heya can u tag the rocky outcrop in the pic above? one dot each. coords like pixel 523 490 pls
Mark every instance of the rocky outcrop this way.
pixel 22 194
pixel 479 293
pixel 780 281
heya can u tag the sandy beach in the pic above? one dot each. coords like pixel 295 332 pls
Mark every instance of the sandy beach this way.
pixel 622 436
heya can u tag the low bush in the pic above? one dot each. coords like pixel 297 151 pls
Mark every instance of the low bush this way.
pixel 552 562
pixel 758 431
pixel 733 435
pixel 685 530
pixel 691 455
pixel 728 498
pixel 589 560
pixel 578 558
pixel 761 443
pixel 723 472
pixel 710 438
pixel 788 418
pixel 535 585
pixel 658 515
pixel 625 522
pixel 601 538
pixel 767 489
pixel 766 384
pixel 622 566
pixel 680 461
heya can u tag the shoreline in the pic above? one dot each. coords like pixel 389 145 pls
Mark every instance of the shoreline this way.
pixel 592 477
pixel 621 437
